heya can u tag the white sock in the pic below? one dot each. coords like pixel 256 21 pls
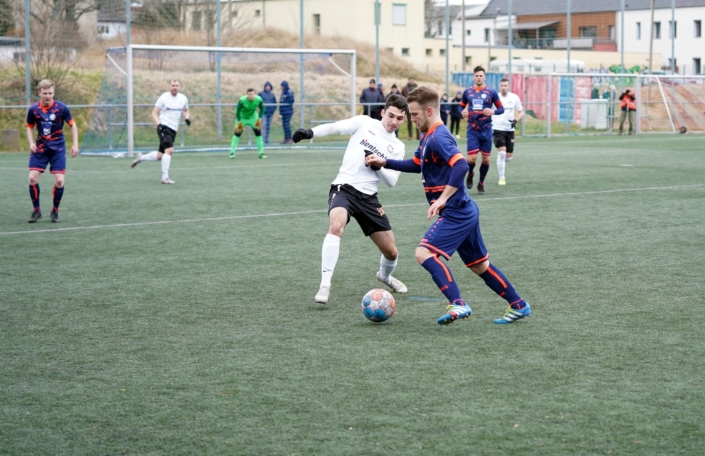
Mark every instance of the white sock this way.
pixel 386 267
pixel 329 257
pixel 501 157
pixel 166 161
pixel 509 159
pixel 152 156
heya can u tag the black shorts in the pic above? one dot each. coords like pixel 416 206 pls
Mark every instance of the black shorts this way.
pixel 503 139
pixel 366 209
pixel 166 137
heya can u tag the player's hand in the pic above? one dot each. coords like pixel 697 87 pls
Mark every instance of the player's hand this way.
pixel 488 112
pixel 374 161
pixel 238 128
pixel 74 151
pixel 302 133
pixel 513 123
pixel 465 113
pixel 258 124
pixel 188 122
pixel 435 208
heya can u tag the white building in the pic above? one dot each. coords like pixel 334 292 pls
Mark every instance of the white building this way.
pixel 689 44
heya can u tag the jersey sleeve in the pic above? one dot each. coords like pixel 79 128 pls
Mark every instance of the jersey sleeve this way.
pixel 446 147
pixel 260 107
pixel 160 102
pixel 68 118
pixel 464 100
pixel 238 110
pixel 499 108
pixel 30 119
pixel 517 104
pixel 343 127
pixel 185 103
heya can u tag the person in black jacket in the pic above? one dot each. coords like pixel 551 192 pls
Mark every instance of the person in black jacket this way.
pixel 445 108
pixel 270 106
pixel 369 97
pixel 456 113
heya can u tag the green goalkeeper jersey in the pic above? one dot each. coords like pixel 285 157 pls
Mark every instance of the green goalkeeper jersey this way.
pixel 246 109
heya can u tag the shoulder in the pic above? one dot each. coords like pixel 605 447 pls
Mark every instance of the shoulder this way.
pixel 182 97
pixel 258 99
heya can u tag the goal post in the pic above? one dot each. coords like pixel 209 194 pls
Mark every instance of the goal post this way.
pixel 213 79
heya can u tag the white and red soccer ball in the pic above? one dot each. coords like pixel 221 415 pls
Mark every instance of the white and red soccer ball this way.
pixel 378 305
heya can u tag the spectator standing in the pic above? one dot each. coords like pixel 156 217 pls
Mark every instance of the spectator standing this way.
pixel 368 98
pixel 445 108
pixel 628 110
pixel 456 113
pixel 270 106
pixel 405 91
pixel 286 109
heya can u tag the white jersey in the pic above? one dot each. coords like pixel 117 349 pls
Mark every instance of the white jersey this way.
pixel 511 103
pixel 170 109
pixel 367 134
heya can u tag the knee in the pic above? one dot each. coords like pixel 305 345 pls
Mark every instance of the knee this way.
pixel 422 255
pixel 238 134
pixel 59 180
pixel 480 268
pixel 336 229
pixel 391 253
pixel 257 132
pixel 33 179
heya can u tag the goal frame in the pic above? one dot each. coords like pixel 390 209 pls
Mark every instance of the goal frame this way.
pixel 152 47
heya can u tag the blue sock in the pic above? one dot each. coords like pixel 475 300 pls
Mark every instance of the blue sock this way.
pixel 483 172
pixel 58 193
pixel 472 167
pixel 34 195
pixel 444 279
pixel 498 282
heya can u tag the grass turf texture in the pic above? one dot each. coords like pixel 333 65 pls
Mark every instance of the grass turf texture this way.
pixel 199 335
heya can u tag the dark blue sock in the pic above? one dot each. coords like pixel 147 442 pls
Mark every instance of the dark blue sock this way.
pixel 472 167
pixel 498 282
pixel 58 193
pixel 444 279
pixel 483 172
pixel 34 195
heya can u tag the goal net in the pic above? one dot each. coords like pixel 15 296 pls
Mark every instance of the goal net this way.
pixel 214 79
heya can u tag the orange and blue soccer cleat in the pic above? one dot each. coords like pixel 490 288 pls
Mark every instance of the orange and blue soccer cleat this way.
pixel 511 315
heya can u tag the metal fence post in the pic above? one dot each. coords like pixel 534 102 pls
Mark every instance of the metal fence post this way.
pixel 548 108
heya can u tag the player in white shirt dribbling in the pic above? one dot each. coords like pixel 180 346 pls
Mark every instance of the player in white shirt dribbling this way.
pixel 503 126
pixel 166 114
pixel 353 193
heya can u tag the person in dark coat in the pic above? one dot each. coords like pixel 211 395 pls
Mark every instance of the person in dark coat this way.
pixel 286 109
pixel 270 106
pixel 456 113
pixel 445 108
pixel 369 97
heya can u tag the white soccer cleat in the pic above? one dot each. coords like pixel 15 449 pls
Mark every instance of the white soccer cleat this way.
pixel 395 284
pixel 322 295
pixel 136 160
pixel 168 181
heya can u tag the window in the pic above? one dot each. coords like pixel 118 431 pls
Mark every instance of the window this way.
pixel 672 64
pixel 673 29
pixel 698 28
pixel 638 30
pixel 405 52
pixel 258 13
pixel 697 69
pixel 399 14
pixel 588 32
pixel 468 60
pixel 209 20
pixel 429 52
pixel 467 32
pixel 317 23
pixel 611 32
pixel 196 21
pixel 442 52
pixel 440 27
pixel 657 30
pixel 487 35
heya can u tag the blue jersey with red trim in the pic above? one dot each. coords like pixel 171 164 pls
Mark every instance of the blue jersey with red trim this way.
pixel 49 122
pixel 478 100
pixel 436 155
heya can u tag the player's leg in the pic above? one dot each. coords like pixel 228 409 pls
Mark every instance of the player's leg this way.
pixel 239 127
pixel 152 156
pixel 58 168
pixel 256 126
pixel 338 218
pixel 499 143
pixel 384 240
pixel 486 152
pixel 473 148
pixel 34 175
pixel 510 146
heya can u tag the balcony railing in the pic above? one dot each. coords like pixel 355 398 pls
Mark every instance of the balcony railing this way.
pixel 556 43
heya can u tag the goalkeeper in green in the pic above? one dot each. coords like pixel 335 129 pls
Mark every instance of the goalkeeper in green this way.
pixel 249 111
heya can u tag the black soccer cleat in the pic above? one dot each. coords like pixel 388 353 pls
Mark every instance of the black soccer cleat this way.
pixel 54 215
pixel 480 188
pixel 36 215
pixel 468 181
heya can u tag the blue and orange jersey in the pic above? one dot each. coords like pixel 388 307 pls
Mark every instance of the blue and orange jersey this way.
pixel 437 154
pixel 480 99
pixel 50 123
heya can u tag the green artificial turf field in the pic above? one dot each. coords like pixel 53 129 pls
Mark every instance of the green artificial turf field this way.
pixel 179 319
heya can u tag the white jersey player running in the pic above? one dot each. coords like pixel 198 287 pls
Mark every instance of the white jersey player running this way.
pixel 503 126
pixel 353 193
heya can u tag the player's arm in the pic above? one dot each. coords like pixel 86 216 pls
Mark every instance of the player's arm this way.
pixel 498 108
pixel 464 105
pixel 342 127
pixel 30 138
pixel 412 165
pixel 459 168
pixel 187 116
pixel 155 115
pixel 74 138
pixel 389 176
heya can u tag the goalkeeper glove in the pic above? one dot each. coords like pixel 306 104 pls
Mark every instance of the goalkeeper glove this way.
pixel 258 124
pixel 238 127
pixel 513 123
pixel 188 122
pixel 373 167
pixel 302 133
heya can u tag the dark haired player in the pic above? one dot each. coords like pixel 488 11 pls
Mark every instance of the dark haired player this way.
pixel 353 193
pixel 478 101
pixel 49 116
pixel 457 228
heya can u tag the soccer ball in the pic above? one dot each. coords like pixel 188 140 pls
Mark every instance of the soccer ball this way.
pixel 378 305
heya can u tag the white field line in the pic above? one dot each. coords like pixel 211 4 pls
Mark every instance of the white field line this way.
pixel 318 211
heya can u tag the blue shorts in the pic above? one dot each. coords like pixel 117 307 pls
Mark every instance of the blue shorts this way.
pixel 457 230
pixel 57 160
pixel 479 141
